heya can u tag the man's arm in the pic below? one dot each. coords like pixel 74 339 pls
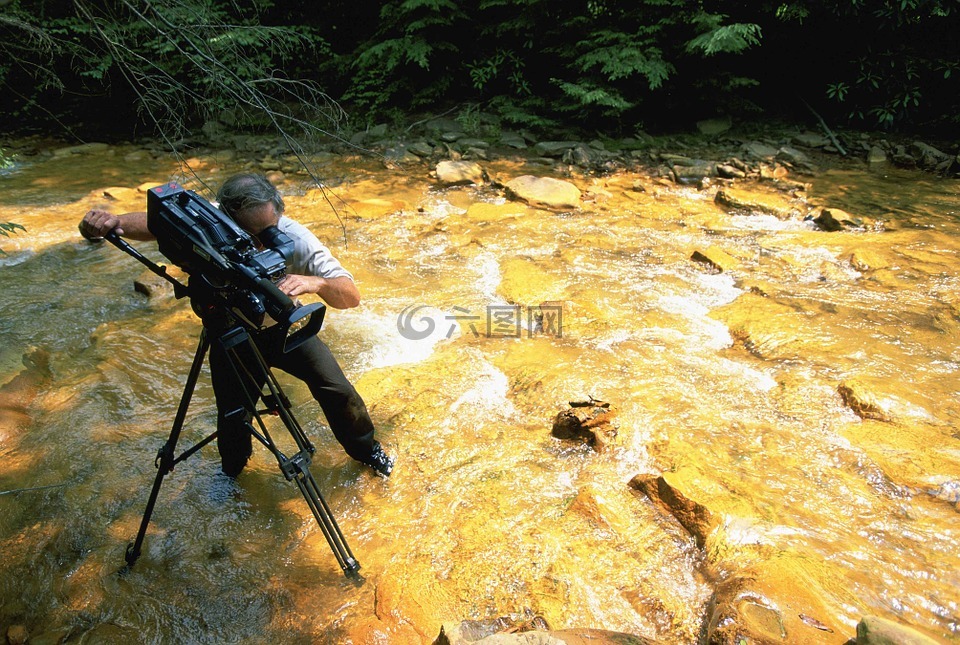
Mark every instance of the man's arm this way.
pixel 97 223
pixel 339 293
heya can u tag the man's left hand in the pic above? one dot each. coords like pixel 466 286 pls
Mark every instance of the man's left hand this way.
pixel 297 285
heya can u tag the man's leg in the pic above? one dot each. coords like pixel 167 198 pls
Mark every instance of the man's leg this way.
pixel 234 441
pixel 314 364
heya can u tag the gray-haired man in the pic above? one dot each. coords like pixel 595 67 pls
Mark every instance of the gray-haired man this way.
pixel 255 204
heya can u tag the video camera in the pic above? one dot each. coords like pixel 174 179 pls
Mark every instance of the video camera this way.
pixel 229 272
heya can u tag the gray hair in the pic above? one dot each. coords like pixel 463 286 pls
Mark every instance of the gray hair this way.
pixel 245 190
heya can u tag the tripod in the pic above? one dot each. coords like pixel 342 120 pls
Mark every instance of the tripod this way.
pixel 254 375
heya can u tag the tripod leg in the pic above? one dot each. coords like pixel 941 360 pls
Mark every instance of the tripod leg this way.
pixel 321 512
pixel 165 457
pixel 295 468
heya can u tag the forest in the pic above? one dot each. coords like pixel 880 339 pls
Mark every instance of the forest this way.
pixel 123 68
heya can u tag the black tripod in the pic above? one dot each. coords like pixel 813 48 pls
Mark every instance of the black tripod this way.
pixel 233 338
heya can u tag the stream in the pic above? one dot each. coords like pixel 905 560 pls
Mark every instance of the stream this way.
pixel 804 401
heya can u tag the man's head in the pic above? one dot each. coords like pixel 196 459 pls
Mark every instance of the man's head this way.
pixel 252 201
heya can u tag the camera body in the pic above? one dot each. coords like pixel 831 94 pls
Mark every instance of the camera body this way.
pixel 229 272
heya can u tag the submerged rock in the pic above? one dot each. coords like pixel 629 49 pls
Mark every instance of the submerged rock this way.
pixel 873 630
pixel 750 202
pixel 779 600
pixel 715 258
pixel 857 397
pixel 468 632
pixel 665 491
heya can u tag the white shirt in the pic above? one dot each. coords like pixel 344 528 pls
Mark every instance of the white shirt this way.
pixel 310 256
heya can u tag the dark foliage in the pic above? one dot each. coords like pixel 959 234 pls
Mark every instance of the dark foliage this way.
pixel 609 66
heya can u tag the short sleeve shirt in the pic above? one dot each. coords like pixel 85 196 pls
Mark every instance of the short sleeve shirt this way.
pixel 310 256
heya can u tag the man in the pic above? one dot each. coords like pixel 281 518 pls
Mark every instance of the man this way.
pixel 255 204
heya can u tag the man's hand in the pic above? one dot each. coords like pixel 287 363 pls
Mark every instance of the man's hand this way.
pixel 339 293
pixel 97 223
pixel 297 285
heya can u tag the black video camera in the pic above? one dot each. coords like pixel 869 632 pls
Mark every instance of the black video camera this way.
pixel 229 272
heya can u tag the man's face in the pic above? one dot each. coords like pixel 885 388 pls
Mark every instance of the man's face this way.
pixel 254 219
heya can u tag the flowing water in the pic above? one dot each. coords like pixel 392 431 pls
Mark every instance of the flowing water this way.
pixel 807 397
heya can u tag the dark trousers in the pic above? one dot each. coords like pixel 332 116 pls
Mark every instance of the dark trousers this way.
pixel 314 364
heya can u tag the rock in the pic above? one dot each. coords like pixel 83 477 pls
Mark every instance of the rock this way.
pixel 82 149
pixel 665 492
pixel 730 171
pixel 420 148
pixel 857 397
pixel 783 598
pixel 758 150
pixel 866 260
pixel 713 127
pixel 716 258
pixel 513 140
pixel 876 155
pixel 592 424
pixel 873 630
pixel 453 173
pixel 792 155
pixel 17 635
pixel 524 282
pixel 810 140
pixel 694 174
pixel 472 631
pixel 775 172
pixel 544 191
pixel 753 202
pixel 579 155
pixel 151 285
pixel 455 635
pixel 554 148
pixel 487 212
pixel 827 222
pixel 903 160
pixel 927 156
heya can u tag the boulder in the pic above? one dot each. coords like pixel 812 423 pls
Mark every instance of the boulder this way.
pixel 811 140
pixel 873 630
pixel 792 155
pixel 758 150
pixel 826 221
pixel 927 156
pixel 590 421
pixel 451 173
pixel 857 396
pixel 729 171
pixel 716 259
pixel 554 148
pixel 151 285
pixel 17 635
pixel 544 191
pixel 694 173
pixel 864 260
pixel 876 155
pixel 666 492
pixel 513 140
pixel 747 202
